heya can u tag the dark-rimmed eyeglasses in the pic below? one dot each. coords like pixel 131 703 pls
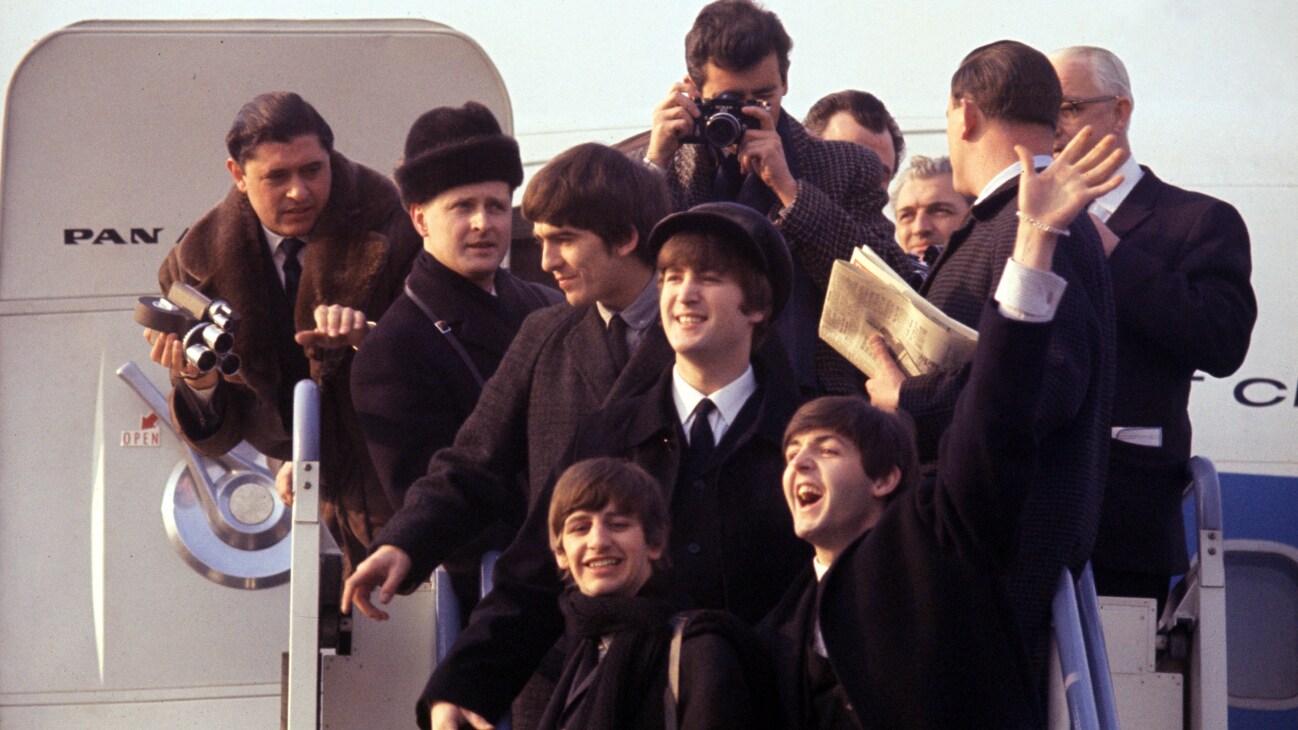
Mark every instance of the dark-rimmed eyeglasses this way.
pixel 1073 106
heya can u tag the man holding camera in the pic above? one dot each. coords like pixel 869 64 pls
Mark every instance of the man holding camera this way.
pixel 825 197
pixel 306 247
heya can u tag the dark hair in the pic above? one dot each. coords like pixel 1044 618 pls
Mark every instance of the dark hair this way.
pixel 866 109
pixel 278 116
pixel 1011 81
pixel 885 440
pixel 735 35
pixel 709 251
pixel 594 484
pixel 597 188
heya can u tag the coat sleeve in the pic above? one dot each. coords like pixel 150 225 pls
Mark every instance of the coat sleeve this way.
pixel 404 403
pixel 1199 308
pixel 513 626
pixel 477 478
pixel 839 206
pixel 988 454
pixel 217 426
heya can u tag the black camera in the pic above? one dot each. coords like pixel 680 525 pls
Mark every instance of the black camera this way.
pixel 722 121
pixel 206 326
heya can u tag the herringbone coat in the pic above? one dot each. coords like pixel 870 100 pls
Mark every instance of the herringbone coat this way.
pixel 1062 509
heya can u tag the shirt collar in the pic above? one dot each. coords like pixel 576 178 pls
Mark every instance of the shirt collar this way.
pixel 642 311
pixel 1105 205
pixel 273 239
pixel 819 567
pixel 1008 174
pixel 728 400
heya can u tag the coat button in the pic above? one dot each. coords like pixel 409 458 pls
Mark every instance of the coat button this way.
pixel 694 548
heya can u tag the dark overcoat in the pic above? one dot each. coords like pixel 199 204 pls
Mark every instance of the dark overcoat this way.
pixel 732 547
pixel 915 615
pixel 1184 303
pixel 411 388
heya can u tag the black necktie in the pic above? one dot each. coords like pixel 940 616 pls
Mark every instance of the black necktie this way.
pixel 292 267
pixel 617 347
pixel 702 442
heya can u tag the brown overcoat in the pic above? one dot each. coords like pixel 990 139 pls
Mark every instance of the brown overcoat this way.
pixel 359 253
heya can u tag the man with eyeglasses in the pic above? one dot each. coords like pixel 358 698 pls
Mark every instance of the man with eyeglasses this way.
pixel 1180 267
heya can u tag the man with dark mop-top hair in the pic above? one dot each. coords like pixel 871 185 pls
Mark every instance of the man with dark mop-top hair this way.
pixel 708 431
pixel 903 619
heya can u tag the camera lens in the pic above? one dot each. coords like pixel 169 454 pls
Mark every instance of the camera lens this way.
pixel 723 129
pixel 201 357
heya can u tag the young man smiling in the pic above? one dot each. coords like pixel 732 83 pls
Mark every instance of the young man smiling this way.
pixel 608 530
pixel 708 430
pixel 905 619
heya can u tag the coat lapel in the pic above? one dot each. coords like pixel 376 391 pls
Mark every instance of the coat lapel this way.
pixel 1138 206
pixel 590 356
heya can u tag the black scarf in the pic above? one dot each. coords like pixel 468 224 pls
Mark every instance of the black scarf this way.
pixel 625 688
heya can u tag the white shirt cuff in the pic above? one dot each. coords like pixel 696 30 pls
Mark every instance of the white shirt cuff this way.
pixel 1029 295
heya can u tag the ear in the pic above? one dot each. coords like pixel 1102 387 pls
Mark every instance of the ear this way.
pixel 969 117
pixel 887 484
pixel 236 172
pixel 628 246
pixel 655 552
pixel 561 558
pixel 1122 108
pixel 757 316
pixel 417 219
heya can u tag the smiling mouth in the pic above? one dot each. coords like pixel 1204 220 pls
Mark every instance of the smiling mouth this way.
pixel 603 563
pixel 689 319
pixel 807 495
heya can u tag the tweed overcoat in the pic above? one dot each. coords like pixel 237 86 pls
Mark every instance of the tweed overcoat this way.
pixel 1061 514
pixel 557 371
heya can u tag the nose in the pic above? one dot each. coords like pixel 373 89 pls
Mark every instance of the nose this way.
pixel 296 189
pixel 923 221
pixel 598 535
pixel 688 289
pixel 550 259
pixel 480 221
pixel 801 460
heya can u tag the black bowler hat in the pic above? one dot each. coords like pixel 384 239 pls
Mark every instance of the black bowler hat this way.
pixel 452 146
pixel 758 237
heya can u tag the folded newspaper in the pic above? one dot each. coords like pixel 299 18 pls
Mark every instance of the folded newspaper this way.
pixel 866 298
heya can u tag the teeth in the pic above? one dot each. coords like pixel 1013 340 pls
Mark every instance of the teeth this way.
pixel 603 563
pixel 689 319
pixel 808 494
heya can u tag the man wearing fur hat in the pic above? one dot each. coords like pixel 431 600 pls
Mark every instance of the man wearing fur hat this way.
pixel 306 247
pixel 419 373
